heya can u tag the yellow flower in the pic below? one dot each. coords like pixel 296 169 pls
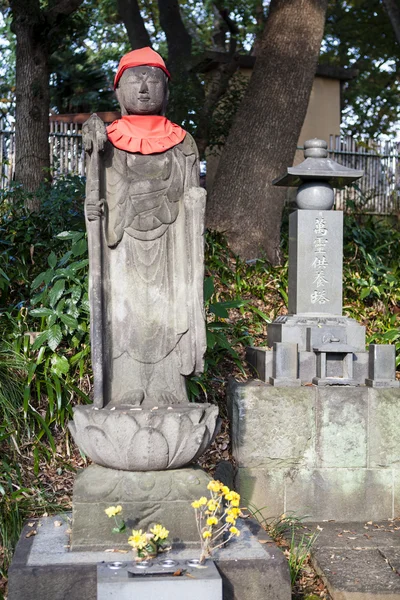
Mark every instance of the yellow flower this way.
pixel 203 501
pixel 138 539
pixel 159 532
pixel 207 534
pixel 111 511
pixel 234 530
pixel 214 486
pixel 196 504
pixel 230 519
pixel 212 505
pixel 225 490
pixel 235 503
pixel 212 521
pixel 233 512
pixel 233 497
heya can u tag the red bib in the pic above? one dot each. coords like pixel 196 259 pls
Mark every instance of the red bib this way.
pixel 146 134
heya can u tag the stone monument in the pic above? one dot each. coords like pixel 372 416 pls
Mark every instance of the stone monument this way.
pixel 315 343
pixel 145 222
pixel 321 399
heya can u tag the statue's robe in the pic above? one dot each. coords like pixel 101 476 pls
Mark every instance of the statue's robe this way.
pixel 152 268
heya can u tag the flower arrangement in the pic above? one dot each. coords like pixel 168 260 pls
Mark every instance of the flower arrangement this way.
pixel 216 517
pixel 113 511
pixel 148 545
pixel 145 545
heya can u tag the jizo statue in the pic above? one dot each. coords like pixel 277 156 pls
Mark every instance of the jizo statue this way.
pixel 150 324
pixel 145 221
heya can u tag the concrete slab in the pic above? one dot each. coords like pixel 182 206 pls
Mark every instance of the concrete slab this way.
pixel 357 574
pixel 44 568
pixel 358 561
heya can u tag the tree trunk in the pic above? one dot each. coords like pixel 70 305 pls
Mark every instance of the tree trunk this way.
pixel 393 10
pixel 263 138
pixel 38 32
pixel 129 12
pixel 32 161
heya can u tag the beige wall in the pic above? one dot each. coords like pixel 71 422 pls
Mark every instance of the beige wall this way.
pixel 322 119
pixel 323 113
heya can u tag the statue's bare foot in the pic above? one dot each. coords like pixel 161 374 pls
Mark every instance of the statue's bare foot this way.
pixel 132 398
pixel 160 399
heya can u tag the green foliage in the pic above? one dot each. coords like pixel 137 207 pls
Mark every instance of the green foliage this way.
pixel 298 554
pixel 222 118
pixel 237 312
pixel 27 238
pixel 288 525
pixel 371 277
pixel 359 35
pixel 44 352
pixel 79 83
pixel 17 503
pixel 43 300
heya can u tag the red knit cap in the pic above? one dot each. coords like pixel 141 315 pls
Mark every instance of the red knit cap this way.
pixel 138 58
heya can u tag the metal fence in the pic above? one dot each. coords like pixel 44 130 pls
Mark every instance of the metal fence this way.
pixel 377 192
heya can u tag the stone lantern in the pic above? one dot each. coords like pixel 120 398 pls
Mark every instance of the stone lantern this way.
pixel 314 342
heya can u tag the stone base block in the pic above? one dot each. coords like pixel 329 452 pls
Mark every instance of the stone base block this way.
pixel 284 382
pixel 130 580
pixel 330 452
pixel 382 383
pixel 333 381
pixel 153 497
pixel 307 366
pixel 44 568
pixel 314 494
pixel 309 330
pixel 261 361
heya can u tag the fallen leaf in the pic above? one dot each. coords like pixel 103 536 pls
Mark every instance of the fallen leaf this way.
pixel 177 573
pixel 57 523
pixel 31 533
pixel 31 524
pixel 320 528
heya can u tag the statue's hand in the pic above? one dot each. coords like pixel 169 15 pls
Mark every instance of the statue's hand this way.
pixel 94 134
pixel 94 209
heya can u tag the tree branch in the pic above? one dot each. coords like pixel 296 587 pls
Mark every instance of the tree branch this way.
pixel 129 12
pixel 216 88
pixel 178 39
pixel 57 11
pixel 392 8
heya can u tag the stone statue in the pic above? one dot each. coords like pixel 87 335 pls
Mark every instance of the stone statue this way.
pixel 145 220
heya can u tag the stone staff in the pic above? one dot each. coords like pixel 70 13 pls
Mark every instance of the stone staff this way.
pixel 94 137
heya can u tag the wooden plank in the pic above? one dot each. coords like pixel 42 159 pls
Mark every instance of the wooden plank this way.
pixel 106 116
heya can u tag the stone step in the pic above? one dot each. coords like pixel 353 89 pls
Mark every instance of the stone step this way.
pixel 358 561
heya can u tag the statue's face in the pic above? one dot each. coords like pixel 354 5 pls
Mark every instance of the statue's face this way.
pixel 142 91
